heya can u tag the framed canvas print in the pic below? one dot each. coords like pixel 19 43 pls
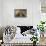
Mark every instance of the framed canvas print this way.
pixel 20 12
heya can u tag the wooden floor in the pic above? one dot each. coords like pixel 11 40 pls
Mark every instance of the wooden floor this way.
pixel 42 41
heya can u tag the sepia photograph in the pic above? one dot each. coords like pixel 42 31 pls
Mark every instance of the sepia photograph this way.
pixel 20 12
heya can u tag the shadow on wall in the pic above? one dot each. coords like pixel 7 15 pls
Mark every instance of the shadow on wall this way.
pixel 1 33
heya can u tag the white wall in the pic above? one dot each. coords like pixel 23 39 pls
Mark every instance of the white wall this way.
pixel 1 12
pixel 33 12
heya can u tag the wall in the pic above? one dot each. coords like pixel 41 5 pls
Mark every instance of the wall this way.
pixel 33 12
pixel 1 12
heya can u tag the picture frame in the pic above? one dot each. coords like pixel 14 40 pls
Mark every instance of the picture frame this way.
pixel 20 12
